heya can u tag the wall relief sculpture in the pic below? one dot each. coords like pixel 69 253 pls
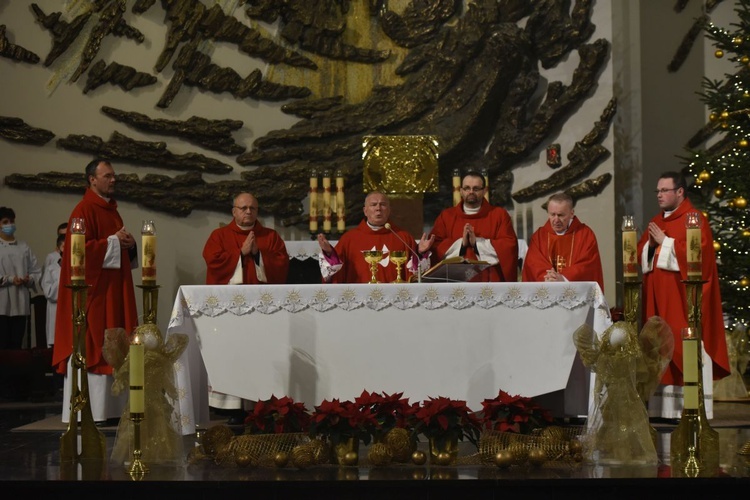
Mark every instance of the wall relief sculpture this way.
pixel 467 72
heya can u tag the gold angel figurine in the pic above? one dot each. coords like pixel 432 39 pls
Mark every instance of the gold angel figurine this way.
pixel 161 429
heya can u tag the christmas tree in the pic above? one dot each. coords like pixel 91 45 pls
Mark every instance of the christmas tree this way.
pixel 721 170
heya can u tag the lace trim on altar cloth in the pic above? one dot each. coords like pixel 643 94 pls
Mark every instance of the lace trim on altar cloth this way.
pixel 242 300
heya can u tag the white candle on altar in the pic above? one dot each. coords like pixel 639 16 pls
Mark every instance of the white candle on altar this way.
pixel 629 248
pixel 148 251
pixel 78 249
pixel 340 205
pixel 693 244
pixel 456 187
pixel 326 202
pixel 313 202
pixel 137 399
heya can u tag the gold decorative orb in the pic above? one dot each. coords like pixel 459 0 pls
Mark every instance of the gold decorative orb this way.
pixel 400 443
pixel 724 125
pixel 740 202
pixel 243 459
pixel 730 204
pixel 350 458
pixel 746 232
pixel 719 53
pixel 744 59
pixel 443 458
pixel 380 454
pixel 717 246
pixel 704 175
pixel 744 281
pixel 575 446
pixel 737 40
pixel 724 115
pixel 713 117
pixel 537 456
pixel 719 192
pixel 705 214
pixel 302 457
pixel 698 181
pixel 281 459
pixel 746 94
pixel 504 459
pixel 321 451
pixel 419 457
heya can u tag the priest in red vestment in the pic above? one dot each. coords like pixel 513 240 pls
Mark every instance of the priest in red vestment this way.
pixel 345 263
pixel 663 257
pixel 110 299
pixel 476 230
pixel 244 252
pixel 564 248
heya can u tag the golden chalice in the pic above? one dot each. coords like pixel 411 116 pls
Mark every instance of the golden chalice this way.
pixel 373 257
pixel 399 257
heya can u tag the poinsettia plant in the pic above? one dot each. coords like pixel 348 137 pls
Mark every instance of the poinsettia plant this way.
pixel 277 415
pixel 441 418
pixel 507 413
pixel 390 410
pixel 341 420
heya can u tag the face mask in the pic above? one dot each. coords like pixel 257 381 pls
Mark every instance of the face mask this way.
pixel 9 229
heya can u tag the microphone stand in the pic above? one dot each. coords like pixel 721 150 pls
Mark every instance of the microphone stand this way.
pixel 415 254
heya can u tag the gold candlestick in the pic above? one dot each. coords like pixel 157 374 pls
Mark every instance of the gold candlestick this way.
pixel 93 445
pixel 137 469
pixel 694 445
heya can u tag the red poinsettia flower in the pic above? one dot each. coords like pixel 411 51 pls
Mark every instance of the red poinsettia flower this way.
pixel 340 420
pixel 439 417
pixel 277 415
pixel 507 413
pixel 389 410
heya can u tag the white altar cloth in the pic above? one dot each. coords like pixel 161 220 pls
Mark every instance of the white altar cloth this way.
pixel 321 341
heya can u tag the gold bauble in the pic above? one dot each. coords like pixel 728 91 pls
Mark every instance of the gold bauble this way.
pixel 443 458
pixel 730 204
pixel 321 451
pixel 705 214
pixel 281 459
pixel 704 175
pixel 302 456
pixel 740 202
pixel 216 438
pixel 504 459
pixel 537 456
pixel 744 281
pixel 743 143
pixel 713 117
pixel 737 40
pixel 719 192
pixel 575 446
pixel 419 457
pixel 746 94
pixel 380 454
pixel 746 232
pixel 717 246
pixel 744 59
pixel 724 115
pixel 350 458
pixel 243 459
pixel 724 125
pixel 719 53
pixel 400 443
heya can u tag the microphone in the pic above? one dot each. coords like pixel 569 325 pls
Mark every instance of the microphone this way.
pixel 415 254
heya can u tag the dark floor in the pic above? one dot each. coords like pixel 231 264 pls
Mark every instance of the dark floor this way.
pixel 29 462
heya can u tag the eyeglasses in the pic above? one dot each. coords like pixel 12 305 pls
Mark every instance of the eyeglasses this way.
pixel 474 189
pixel 665 190
pixel 246 209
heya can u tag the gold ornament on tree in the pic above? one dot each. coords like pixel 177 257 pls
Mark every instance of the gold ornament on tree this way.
pixel 719 54
pixel 744 282
pixel 717 246
pixel 704 175
pixel 743 143
pixel 719 192
pixel 740 202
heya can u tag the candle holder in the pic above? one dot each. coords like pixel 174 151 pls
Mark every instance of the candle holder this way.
pixel 631 301
pixel 93 445
pixel 137 468
pixel 694 445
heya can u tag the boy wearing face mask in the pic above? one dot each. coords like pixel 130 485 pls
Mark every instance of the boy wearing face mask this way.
pixel 19 273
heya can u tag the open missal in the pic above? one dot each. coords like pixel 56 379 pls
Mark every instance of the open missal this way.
pixel 454 269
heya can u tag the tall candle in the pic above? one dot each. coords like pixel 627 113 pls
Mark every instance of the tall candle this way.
pixel 137 398
pixel 148 249
pixel 690 372
pixel 693 243
pixel 486 185
pixel 314 202
pixel 629 248
pixel 456 187
pixel 340 205
pixel 78 250
pixel 326 202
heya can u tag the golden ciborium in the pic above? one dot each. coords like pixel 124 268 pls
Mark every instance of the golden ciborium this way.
pixel 373 257
pixel 399 257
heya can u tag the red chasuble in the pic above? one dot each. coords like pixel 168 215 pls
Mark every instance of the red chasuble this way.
pixel 222 252
pixel 574 254
pixel 664 294
pixel 492 223
pixel 352 243
pixel 110 298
